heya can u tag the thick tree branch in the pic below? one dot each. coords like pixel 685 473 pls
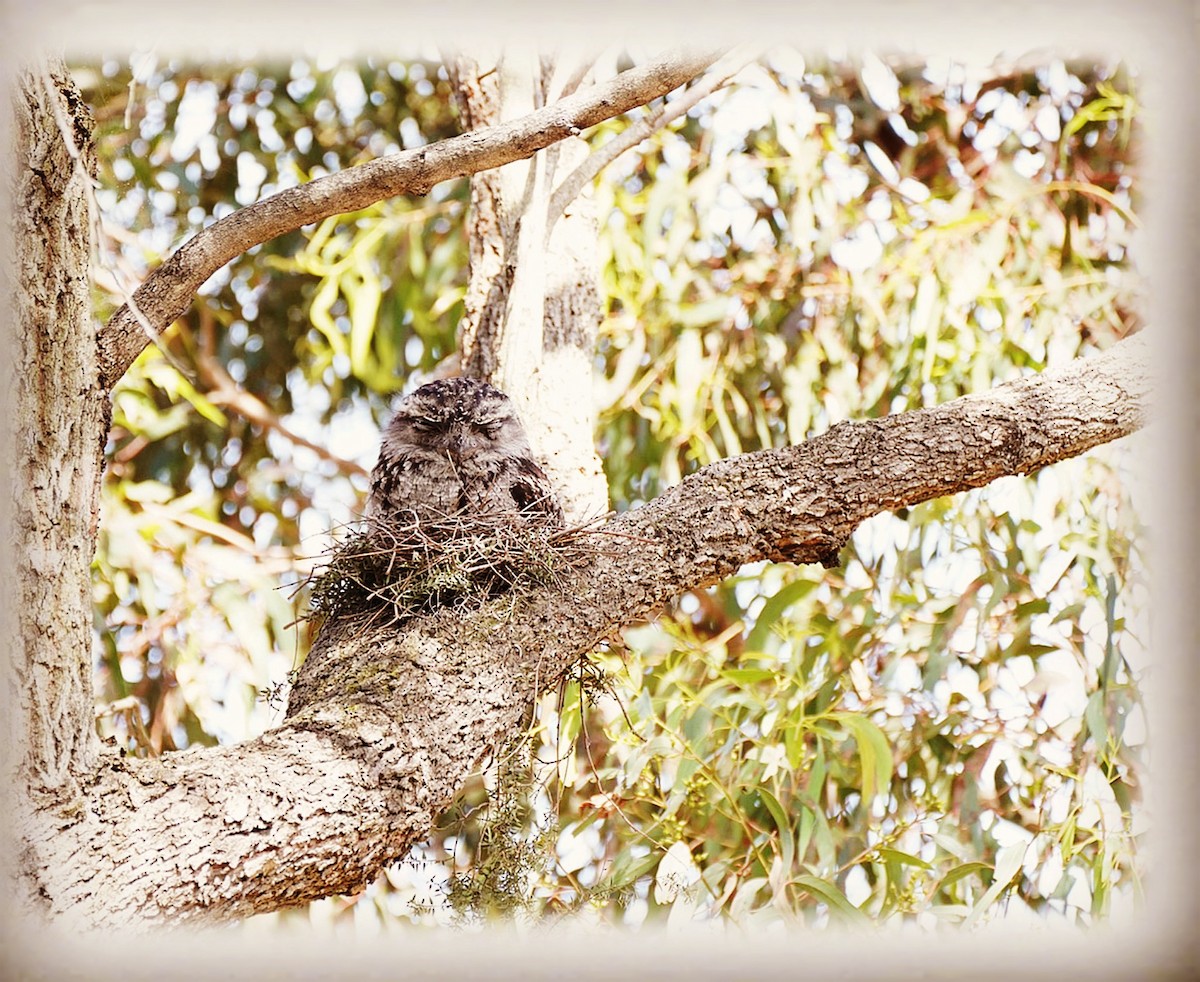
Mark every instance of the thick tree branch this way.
pixel 385 725
pixel 170 288
pixel 801 503
pixel 795 504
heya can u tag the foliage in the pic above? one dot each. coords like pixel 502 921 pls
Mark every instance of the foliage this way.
pixel 947 728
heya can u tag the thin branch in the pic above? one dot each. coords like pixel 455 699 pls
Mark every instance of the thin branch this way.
pixel 250 407
pixel 585 173
pixel 169 289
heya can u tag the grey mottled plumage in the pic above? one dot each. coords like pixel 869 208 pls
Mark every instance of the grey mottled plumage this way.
pixel 456 447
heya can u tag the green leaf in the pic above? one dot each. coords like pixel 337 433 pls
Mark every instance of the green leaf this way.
pixel 166 376
pixel 804 835
pixel 787 841
pixel 903 858
pixel 775 608
pixel 319 313
pixel 1097 721
pixel 363 295
pixel 1008 864
pixel 627 868
pixel 793 743
pixel 874 753
pixel 961 871
pixel 748 676
pixel 745 898
pixel 1031 607
pixel 833 898
pixel 570 717
pixel 923 322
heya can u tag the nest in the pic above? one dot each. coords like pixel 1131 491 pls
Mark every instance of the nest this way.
pixel 393 570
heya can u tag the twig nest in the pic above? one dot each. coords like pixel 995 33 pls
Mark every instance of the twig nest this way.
pixel 398 568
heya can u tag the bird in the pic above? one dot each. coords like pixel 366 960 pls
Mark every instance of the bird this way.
pixel 456 448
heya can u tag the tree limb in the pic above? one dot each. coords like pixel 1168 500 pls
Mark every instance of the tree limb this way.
pixel 795 504
pixel 168 291
pixel 384 725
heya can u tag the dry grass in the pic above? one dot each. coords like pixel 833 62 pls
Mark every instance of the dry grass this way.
pixel 393 570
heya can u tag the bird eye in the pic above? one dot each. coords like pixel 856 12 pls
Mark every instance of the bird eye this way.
pixel 490 430
pixel 425 425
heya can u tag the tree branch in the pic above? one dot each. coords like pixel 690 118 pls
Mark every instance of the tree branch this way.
pixel 795 504
pixel 384 725
pixel 168 291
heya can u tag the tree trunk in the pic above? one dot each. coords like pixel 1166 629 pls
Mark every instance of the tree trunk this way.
pixel 61 416
pixel 533 300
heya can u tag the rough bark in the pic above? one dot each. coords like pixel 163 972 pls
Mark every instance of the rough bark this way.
pixel 384 725
pixel 533 298
pixel 169 290
pixel 61 412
